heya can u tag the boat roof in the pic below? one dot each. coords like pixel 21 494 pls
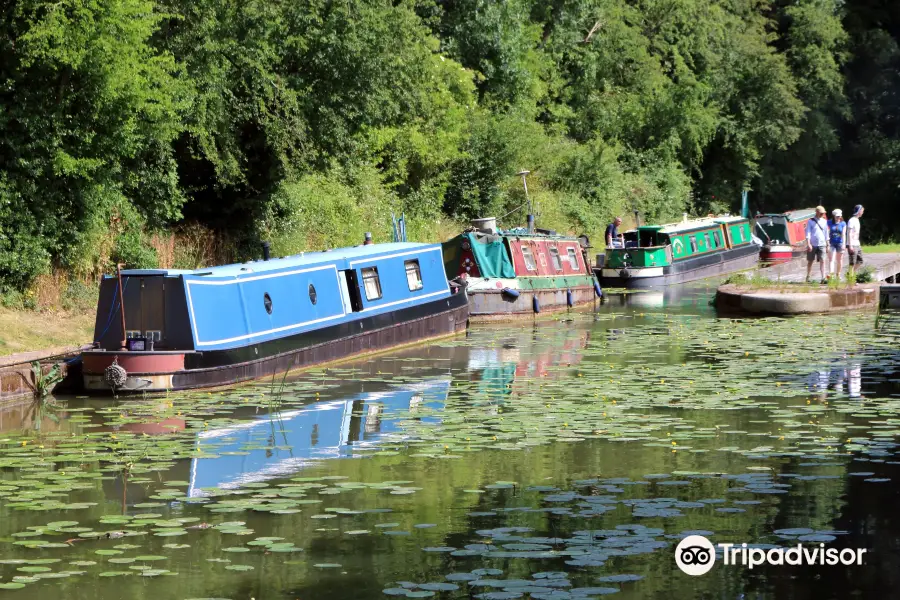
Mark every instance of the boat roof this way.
pixel 793 215
pixel 692 224
pixel 297 260
pixel 522 232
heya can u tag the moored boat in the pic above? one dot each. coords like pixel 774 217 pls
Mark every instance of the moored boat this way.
pixel 783 235
pixel 210 327
pixel 519 272
pixel 693 249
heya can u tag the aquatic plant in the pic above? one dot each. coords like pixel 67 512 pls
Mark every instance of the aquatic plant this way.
pixel 44 383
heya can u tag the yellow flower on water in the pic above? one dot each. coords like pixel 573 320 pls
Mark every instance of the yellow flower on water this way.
pixel 674 443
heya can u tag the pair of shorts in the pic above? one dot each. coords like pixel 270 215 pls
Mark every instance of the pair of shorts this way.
pixel 817 254
pixel 856 255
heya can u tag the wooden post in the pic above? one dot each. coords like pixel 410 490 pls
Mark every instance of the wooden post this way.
pixel 122 305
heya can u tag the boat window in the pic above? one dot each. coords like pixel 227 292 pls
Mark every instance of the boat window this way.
pixel 371 283
pixel 132 334
pixel 706 238
pixel 716 239
pixel 573 258
pixel 413 275
pixel 153 334
pixel 267 302
pixel 529 259
pixel 693 239
pixel 313 297
pixel 554 256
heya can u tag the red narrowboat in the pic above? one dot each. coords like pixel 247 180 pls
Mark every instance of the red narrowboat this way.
pixel 519 272
pixel 783 235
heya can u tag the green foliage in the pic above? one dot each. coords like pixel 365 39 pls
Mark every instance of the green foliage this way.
pixel 865 275
pixel 308 123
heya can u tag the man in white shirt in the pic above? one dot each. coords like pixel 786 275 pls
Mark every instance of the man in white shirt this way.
pixel 816 240
pixel 853 247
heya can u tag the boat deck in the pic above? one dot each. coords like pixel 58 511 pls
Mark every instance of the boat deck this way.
pixel 887 267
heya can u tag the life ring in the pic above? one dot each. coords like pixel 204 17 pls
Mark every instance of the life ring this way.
pixel 624 274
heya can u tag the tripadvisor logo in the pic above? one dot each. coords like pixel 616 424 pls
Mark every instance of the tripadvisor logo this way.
pixel 696 555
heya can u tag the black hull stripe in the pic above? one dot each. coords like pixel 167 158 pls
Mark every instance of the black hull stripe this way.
pixel 730 260
pixel 370 334
pixel 300 341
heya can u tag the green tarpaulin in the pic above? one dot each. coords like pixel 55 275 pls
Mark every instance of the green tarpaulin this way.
pixel 491 255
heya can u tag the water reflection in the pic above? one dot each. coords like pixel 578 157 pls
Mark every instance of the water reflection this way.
pixel 693 296
pixel 840 380
pixel 283 443
pixel 363 414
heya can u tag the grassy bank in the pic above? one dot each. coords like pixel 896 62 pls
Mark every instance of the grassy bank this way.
pixel 27 330
pixel 881 248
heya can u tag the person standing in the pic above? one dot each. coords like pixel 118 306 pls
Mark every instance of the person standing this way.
pixel 854 249
pixel 837 240
pixel 815 242
pixel 614 239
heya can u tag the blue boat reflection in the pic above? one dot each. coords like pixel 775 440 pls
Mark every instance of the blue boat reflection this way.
pixel 281 444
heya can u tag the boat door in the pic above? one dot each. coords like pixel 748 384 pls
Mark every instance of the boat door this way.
pixel 152 309
pixel 351 295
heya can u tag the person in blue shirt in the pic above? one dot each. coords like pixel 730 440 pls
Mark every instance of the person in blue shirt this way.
pixel 614 239
pixel 837 236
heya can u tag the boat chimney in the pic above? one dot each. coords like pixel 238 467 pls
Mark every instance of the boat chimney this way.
pixel 684 218
pixel 265 247
pixel 637 218
pixel 488 224
pixel 368 239
pixel 530 217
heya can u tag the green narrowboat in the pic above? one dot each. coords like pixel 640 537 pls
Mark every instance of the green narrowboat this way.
pixel 655 255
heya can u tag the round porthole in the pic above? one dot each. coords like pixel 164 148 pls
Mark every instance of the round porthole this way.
pixel 267 302
pixel 312 293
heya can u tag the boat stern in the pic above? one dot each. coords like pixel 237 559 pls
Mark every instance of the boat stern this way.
pixel 130 371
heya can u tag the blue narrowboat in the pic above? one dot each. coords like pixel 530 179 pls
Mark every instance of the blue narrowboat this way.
pixel 184 329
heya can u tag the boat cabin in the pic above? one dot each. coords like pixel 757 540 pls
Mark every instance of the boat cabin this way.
pixel 784 228
pixel 239 305
pixel 513 254
pixel 664 245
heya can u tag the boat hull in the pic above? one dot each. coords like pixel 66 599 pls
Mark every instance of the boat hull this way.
pixel 702 267
pixel 777 254
pixel 150 372
pixel 490 300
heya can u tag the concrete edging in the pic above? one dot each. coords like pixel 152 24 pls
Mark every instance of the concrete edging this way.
pixel 777 301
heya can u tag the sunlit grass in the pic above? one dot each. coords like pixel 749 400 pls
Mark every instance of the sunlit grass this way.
pixel 26 330
pixel 881 248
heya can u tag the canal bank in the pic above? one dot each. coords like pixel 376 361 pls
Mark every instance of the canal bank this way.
pixel 794 300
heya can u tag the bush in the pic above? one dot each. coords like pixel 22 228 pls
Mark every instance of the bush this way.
pixel 865 275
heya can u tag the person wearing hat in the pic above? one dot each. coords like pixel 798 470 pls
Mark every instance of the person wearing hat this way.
pixel 854 250
pixel 816 240
pixel 837 241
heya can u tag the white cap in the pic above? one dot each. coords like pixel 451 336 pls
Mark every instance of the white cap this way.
pixel 836 213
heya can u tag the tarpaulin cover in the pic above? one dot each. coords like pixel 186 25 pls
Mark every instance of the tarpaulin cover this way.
pixel 491 255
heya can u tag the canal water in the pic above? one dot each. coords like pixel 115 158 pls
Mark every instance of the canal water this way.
pixel 558 459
